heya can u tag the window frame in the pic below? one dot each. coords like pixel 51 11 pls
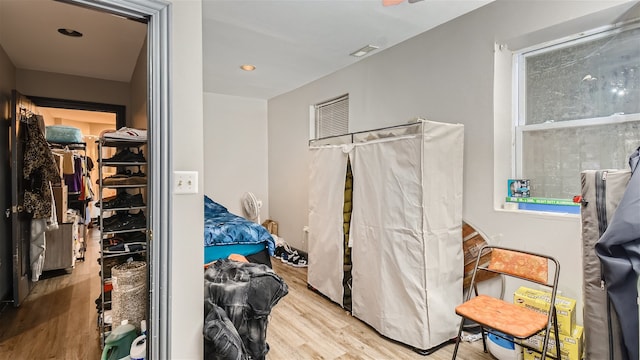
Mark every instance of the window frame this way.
pixel 314 112
pixel 519 126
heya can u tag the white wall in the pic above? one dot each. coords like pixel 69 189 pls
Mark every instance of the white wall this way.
pixel 186 251
pixel 447 75
pixel 138 91
pixel 235 129
pixel 71 87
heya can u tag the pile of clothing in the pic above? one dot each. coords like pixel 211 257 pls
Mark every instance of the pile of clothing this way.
pixel 239 297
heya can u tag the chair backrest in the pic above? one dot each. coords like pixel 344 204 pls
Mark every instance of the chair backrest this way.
pixel 522 264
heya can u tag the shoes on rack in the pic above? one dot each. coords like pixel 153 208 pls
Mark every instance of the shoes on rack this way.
pixel 137 178
pixel 114 219
pixel 115 179
pixel 122 200
pixel 137 236
pixel 107 301
pixel 125 178
pixel 126 221
pixel 126 155
pixel 125 134
pixel 124 238
pixel 125 248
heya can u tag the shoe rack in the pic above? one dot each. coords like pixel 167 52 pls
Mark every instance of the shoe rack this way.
pixel 123 217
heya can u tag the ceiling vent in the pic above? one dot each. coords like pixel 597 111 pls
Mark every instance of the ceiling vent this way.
pixel 364 51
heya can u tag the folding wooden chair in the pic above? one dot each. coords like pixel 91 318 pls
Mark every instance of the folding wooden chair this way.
pixel 502 318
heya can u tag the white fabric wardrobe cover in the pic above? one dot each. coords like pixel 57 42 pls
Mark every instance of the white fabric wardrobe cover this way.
pixel 328 170
pixel 406 234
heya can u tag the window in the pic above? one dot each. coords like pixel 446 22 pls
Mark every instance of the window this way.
pixel 332 117
pixel 578 108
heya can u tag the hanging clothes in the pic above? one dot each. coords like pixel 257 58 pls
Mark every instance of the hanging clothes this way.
pixel 52 221
pixel 74 180
pixel 68 167
pixel 37 247
pixel 38 240
pixel 86 190
pixel 39 168
pixel 90 194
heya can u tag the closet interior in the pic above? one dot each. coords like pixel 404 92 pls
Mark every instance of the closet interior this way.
pixel 85 190
pixel 91 190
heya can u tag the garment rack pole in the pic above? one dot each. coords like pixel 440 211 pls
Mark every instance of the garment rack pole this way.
pixel 352 134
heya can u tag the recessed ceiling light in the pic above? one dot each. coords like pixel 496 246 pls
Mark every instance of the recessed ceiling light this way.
pixel 364 51
pixel 247 67
pixel 69 32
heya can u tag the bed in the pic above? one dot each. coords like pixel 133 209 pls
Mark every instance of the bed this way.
pixel 226 233
pixel 239 295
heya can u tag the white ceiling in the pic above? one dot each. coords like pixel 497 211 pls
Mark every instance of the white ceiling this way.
pixel 291 42
pixel 108 50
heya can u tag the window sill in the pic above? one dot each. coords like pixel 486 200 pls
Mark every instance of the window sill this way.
pixel 562 206
pixel 540 214
pixel 541 210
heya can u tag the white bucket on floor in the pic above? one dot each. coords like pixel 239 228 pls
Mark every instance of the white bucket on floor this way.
pixel 503 349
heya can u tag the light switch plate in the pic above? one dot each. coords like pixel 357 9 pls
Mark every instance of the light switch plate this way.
pixel 185 182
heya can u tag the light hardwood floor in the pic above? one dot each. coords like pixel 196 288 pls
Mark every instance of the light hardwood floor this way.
pixel 58 321
pixel 306 325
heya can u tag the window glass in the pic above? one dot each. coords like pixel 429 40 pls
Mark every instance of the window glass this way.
pixel 584 80
pixel 579 110
pixel 554 158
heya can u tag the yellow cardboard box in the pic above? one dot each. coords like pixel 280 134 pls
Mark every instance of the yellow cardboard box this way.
pixel 570 346
pixel 539 300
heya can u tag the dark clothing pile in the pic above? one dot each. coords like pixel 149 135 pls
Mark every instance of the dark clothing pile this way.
pixel 239 294
pixel 222 340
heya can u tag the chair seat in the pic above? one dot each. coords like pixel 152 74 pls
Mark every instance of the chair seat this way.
pixel 503 316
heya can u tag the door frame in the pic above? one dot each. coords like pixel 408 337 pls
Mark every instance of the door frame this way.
pixel 119 110
pixel 20 221
pixel 156 14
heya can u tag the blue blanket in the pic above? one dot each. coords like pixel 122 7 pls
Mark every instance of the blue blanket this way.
pixel 224 228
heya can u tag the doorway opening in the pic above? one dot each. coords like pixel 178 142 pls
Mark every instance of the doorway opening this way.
pixel 156 110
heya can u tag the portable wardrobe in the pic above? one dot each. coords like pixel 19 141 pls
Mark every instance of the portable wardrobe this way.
pixel 405 231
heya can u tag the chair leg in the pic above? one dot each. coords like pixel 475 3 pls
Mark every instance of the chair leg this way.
pixel 554 320
pixel 484 339
pixel 555 329
pixel 455 349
